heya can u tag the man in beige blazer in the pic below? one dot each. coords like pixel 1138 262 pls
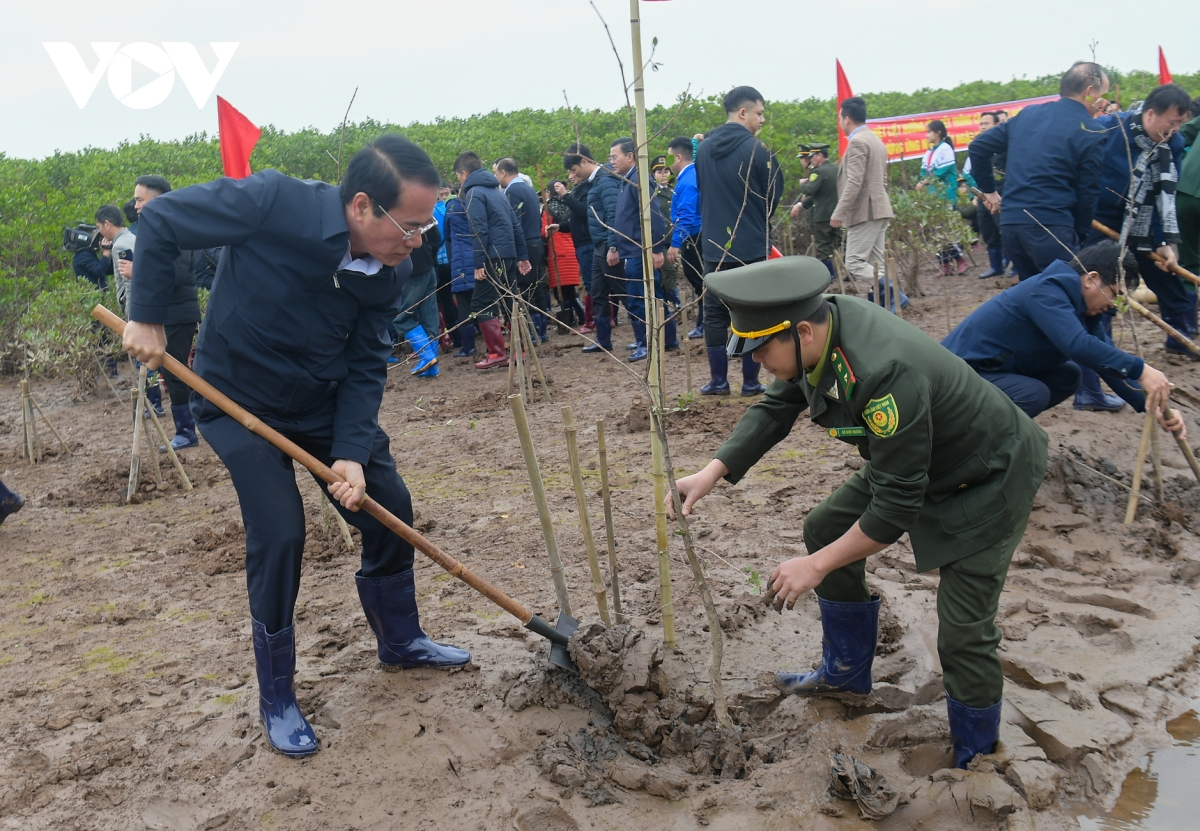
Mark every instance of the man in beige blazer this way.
pixel 863 206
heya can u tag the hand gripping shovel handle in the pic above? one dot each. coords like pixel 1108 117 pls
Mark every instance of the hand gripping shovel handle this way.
pixel 456 569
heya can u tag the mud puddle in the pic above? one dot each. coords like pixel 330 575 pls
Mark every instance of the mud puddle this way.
pixel 1158 794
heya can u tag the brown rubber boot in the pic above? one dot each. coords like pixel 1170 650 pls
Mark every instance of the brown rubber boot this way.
pixel 494 338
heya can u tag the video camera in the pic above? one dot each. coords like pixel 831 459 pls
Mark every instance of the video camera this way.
pixel 81 237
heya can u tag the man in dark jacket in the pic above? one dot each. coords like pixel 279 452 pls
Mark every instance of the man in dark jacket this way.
pixel 528 208
pixel 740 187
pixel 628 224
pixel 498 249
pixel 1032 340
pixel 296 333
pixel 602 208
pixel 1143 154
pixel 1052 179
pixel 183 316
pixel 579 165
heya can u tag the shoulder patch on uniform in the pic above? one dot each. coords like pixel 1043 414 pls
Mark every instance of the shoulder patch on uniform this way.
pixel 882 416
pixel 812 177
pixel 844 373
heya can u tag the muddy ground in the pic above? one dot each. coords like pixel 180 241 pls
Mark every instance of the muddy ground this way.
pixel 127 692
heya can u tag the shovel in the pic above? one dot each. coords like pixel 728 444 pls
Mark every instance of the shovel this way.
pixel 557 636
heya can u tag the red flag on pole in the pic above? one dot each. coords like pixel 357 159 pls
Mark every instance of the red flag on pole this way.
pixel 843 92
pixel 237 138
pixel 1164 74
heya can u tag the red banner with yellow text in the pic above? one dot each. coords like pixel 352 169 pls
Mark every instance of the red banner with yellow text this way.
pixel 904 135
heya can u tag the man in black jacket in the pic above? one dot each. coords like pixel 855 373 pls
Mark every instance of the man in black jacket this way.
pixel 579 165
pixel 498 250
pixel 183 318
pixel 740 187
pixel 527 207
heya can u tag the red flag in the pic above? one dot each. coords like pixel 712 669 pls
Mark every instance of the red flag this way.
pixel 237 137
pixel 1164 74
pixel 843 92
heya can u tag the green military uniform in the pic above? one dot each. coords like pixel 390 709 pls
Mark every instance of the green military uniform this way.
pixel 950 459
pixel 665 193
pixel 819 197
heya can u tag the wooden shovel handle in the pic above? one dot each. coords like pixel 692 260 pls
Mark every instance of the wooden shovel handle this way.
pixel 255 426
pixel 1153 255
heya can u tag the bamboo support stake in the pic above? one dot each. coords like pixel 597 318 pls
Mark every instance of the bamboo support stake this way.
pixel 658 471
pixel 517 404
pixel 589 542
pixel 135 461
pixel 618 614
pixel 1131 508
pixel 32 446
pixel 151 450
pixel 513 347
pixel 108 380
pixel 685 343
pixel 1156 460
pixel 49 424
pixel 1168 414
pixel 162 434
pixel 527 335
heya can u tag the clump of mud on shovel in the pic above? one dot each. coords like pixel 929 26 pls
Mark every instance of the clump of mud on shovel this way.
pixel 660 708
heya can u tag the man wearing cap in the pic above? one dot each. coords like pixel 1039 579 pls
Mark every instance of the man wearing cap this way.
pixel 949 459
pixel 819 196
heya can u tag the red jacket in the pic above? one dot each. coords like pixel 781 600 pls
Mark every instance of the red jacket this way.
pixel 561 264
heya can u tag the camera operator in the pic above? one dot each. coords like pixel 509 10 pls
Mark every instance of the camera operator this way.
pixel 110 222
pixel 183 315
pixel 91 260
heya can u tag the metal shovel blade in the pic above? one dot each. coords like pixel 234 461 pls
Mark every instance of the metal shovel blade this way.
pixel 559 655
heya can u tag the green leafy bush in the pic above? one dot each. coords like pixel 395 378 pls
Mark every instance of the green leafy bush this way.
pixel 60 337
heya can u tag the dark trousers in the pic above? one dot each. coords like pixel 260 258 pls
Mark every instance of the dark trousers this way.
pixel 180 337
pixel 827 238
pixel 532 286
pixel 462 299
pixel 968 593
pixel 989 228
pixel 1037 393
pixel 273 512
pixel 583 255
pixel 716 314
pixel 491 293
pixel 1031 247
pixel 445 298
pixel 608 281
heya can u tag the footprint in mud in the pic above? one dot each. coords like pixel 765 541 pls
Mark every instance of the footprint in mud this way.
pixel 546 818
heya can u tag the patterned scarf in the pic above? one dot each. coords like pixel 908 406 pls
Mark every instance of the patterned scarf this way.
pixel 1152 188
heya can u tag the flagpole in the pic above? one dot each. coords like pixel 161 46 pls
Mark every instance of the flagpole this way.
pixel 646 193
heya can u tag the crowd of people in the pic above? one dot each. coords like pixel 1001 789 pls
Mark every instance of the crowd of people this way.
pixel 316 287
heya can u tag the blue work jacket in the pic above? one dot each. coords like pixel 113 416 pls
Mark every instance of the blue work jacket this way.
pixel 288 336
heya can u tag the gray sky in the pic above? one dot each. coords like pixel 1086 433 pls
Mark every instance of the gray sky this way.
pixel 297 63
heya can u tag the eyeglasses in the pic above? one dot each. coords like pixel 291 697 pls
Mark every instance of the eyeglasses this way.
pixel 1110 292
pixel 407 233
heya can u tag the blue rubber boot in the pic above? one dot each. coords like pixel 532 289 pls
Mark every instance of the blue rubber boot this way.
pixel 154 397
pixel 639 337
pixel 750 385
pixel 466 334
pixel 275 658
pixel 390 604
pixel 603 336
pixel 185 428
pixel 1091 397
pixel 972 731
pixel 849 635
pixel 425 350
pixel 995 264
pixel 10 503
pixel 718 367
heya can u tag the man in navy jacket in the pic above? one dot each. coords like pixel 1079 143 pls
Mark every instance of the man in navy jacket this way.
pixel 1053 176
pixel 1031 340
pixel 296 333
pixel 627 222
pixel 528 208
pixel 1155 124
pixel 498 249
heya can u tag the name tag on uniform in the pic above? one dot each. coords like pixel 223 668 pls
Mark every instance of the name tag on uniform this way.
pixel 846 432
